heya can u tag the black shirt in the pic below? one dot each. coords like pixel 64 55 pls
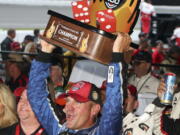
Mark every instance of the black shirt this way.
pixel 13 129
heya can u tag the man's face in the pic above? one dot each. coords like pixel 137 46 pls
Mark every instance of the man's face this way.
pixel 79 115
pixel 56 74
pixel 24 109
pixel 141 67
pixel 13 69
pixel 13 35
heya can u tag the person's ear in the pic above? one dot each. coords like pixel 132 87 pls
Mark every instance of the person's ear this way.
pixel 95 109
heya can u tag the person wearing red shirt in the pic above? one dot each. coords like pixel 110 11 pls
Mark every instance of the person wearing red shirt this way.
pixel 158 55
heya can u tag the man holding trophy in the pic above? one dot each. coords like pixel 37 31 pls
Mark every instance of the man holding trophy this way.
pixel 83 99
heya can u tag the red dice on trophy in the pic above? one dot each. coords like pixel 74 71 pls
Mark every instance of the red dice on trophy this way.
pixel 106 20
pixel 80 11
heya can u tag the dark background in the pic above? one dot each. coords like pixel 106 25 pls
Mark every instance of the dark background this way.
pixel 166 22
pixel 166 2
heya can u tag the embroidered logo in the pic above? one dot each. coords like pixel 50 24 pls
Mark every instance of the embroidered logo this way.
pixel 77 86
pixel 110 74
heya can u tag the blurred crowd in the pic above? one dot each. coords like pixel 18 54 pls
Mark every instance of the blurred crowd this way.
pixel 136 107
pixel 148 64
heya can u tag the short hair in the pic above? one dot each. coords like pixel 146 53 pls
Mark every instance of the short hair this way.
pixel 36 32
pixel 29 38
pixel 10 31
pixel 8 115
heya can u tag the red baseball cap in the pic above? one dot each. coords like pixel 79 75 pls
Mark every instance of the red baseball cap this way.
pixel 83 92
pixel 15 46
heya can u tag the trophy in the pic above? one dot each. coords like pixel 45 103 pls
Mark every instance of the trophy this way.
pixel 92 31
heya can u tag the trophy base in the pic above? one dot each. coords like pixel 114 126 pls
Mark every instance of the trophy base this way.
pixel 91 56
pixel 80 38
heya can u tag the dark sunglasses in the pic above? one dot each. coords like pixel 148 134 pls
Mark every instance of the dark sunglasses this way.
pixel 138 62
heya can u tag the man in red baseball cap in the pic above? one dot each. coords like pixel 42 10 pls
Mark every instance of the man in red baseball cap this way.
pixel 83 100
pixel 83 92
pixel 86 93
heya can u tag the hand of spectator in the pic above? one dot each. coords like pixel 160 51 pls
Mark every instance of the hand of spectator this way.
pixel 46 47
pixel 122 43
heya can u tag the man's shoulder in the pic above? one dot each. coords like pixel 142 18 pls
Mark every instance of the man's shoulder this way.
pixel 154 78
pixel 6 43
pixel 6 40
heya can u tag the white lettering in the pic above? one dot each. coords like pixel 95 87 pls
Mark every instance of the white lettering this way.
pixel 67 34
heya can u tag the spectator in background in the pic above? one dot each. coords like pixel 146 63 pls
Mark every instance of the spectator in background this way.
pixel 157 119
pixel 16 72
pixel 6 43
pixel 29 47
pixel 147 11
pixel 158 56
pixel 143 43
pixel 56 78
pixel 176 35
pixel 142 36
pixel 28 123
pixel 158 52
pixel 8 114
pixel 143 46
pixel 142 78
pixel 36 36
pixel 172 59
